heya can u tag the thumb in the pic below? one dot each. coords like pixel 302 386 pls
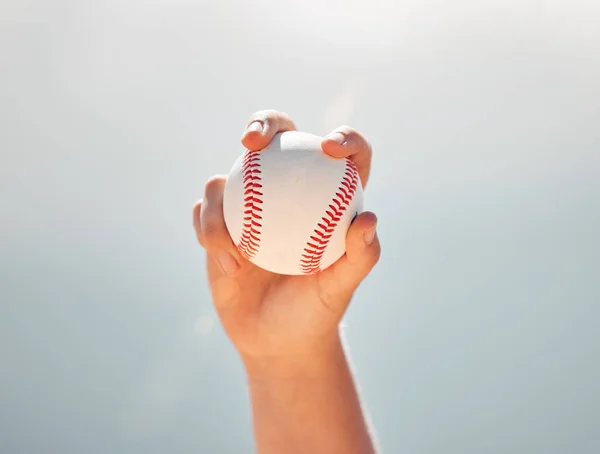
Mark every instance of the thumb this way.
pixel 341 279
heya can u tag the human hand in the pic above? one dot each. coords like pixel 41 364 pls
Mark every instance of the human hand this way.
pixel 271 317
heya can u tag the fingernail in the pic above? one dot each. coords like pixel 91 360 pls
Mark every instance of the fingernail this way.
pixel 336 137
pixel 369 236
pixel 255 126
pixel 227 263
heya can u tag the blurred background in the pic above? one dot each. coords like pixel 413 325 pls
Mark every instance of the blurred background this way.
pixel 477 332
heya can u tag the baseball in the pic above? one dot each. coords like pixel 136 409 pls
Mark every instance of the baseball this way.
pixel 288 207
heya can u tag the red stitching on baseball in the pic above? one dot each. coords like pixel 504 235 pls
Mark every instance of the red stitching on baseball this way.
pixel 251 175
pixel 310 262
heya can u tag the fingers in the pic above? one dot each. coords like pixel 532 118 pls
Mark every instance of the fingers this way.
pixel 345 142
pixel 262 127
pixel 362 254
pixel 211 230
pixel 340 143
pixel 362 246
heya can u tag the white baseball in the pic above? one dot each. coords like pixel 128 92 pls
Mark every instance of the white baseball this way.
pixel 288 207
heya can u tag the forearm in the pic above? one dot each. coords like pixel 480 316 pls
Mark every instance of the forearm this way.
pixel 307 404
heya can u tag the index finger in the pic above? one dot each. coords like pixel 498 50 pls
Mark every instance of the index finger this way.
pixel 262 127
pixel 347 142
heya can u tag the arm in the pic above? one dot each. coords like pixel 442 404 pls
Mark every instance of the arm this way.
pixel 285 328
pixel 308 405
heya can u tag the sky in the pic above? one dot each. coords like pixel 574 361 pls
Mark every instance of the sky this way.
pixel 476 332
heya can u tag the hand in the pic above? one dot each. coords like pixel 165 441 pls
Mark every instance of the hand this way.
pixel 271 317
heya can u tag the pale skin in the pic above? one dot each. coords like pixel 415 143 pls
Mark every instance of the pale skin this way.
pixel 286 328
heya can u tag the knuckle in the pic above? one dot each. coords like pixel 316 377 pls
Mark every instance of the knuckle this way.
pixel 212 227
pixel 264 115
pixel 214 183
pixel 275 119
pixel 357 139
pixel 345 129
pixel 286 122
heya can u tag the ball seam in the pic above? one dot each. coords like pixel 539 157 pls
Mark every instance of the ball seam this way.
pixel 249 242
pixel 310 262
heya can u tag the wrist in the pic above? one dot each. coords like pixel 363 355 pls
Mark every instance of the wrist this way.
pixel 314 363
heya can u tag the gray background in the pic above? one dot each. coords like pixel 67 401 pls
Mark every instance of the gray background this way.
pixel 476 333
